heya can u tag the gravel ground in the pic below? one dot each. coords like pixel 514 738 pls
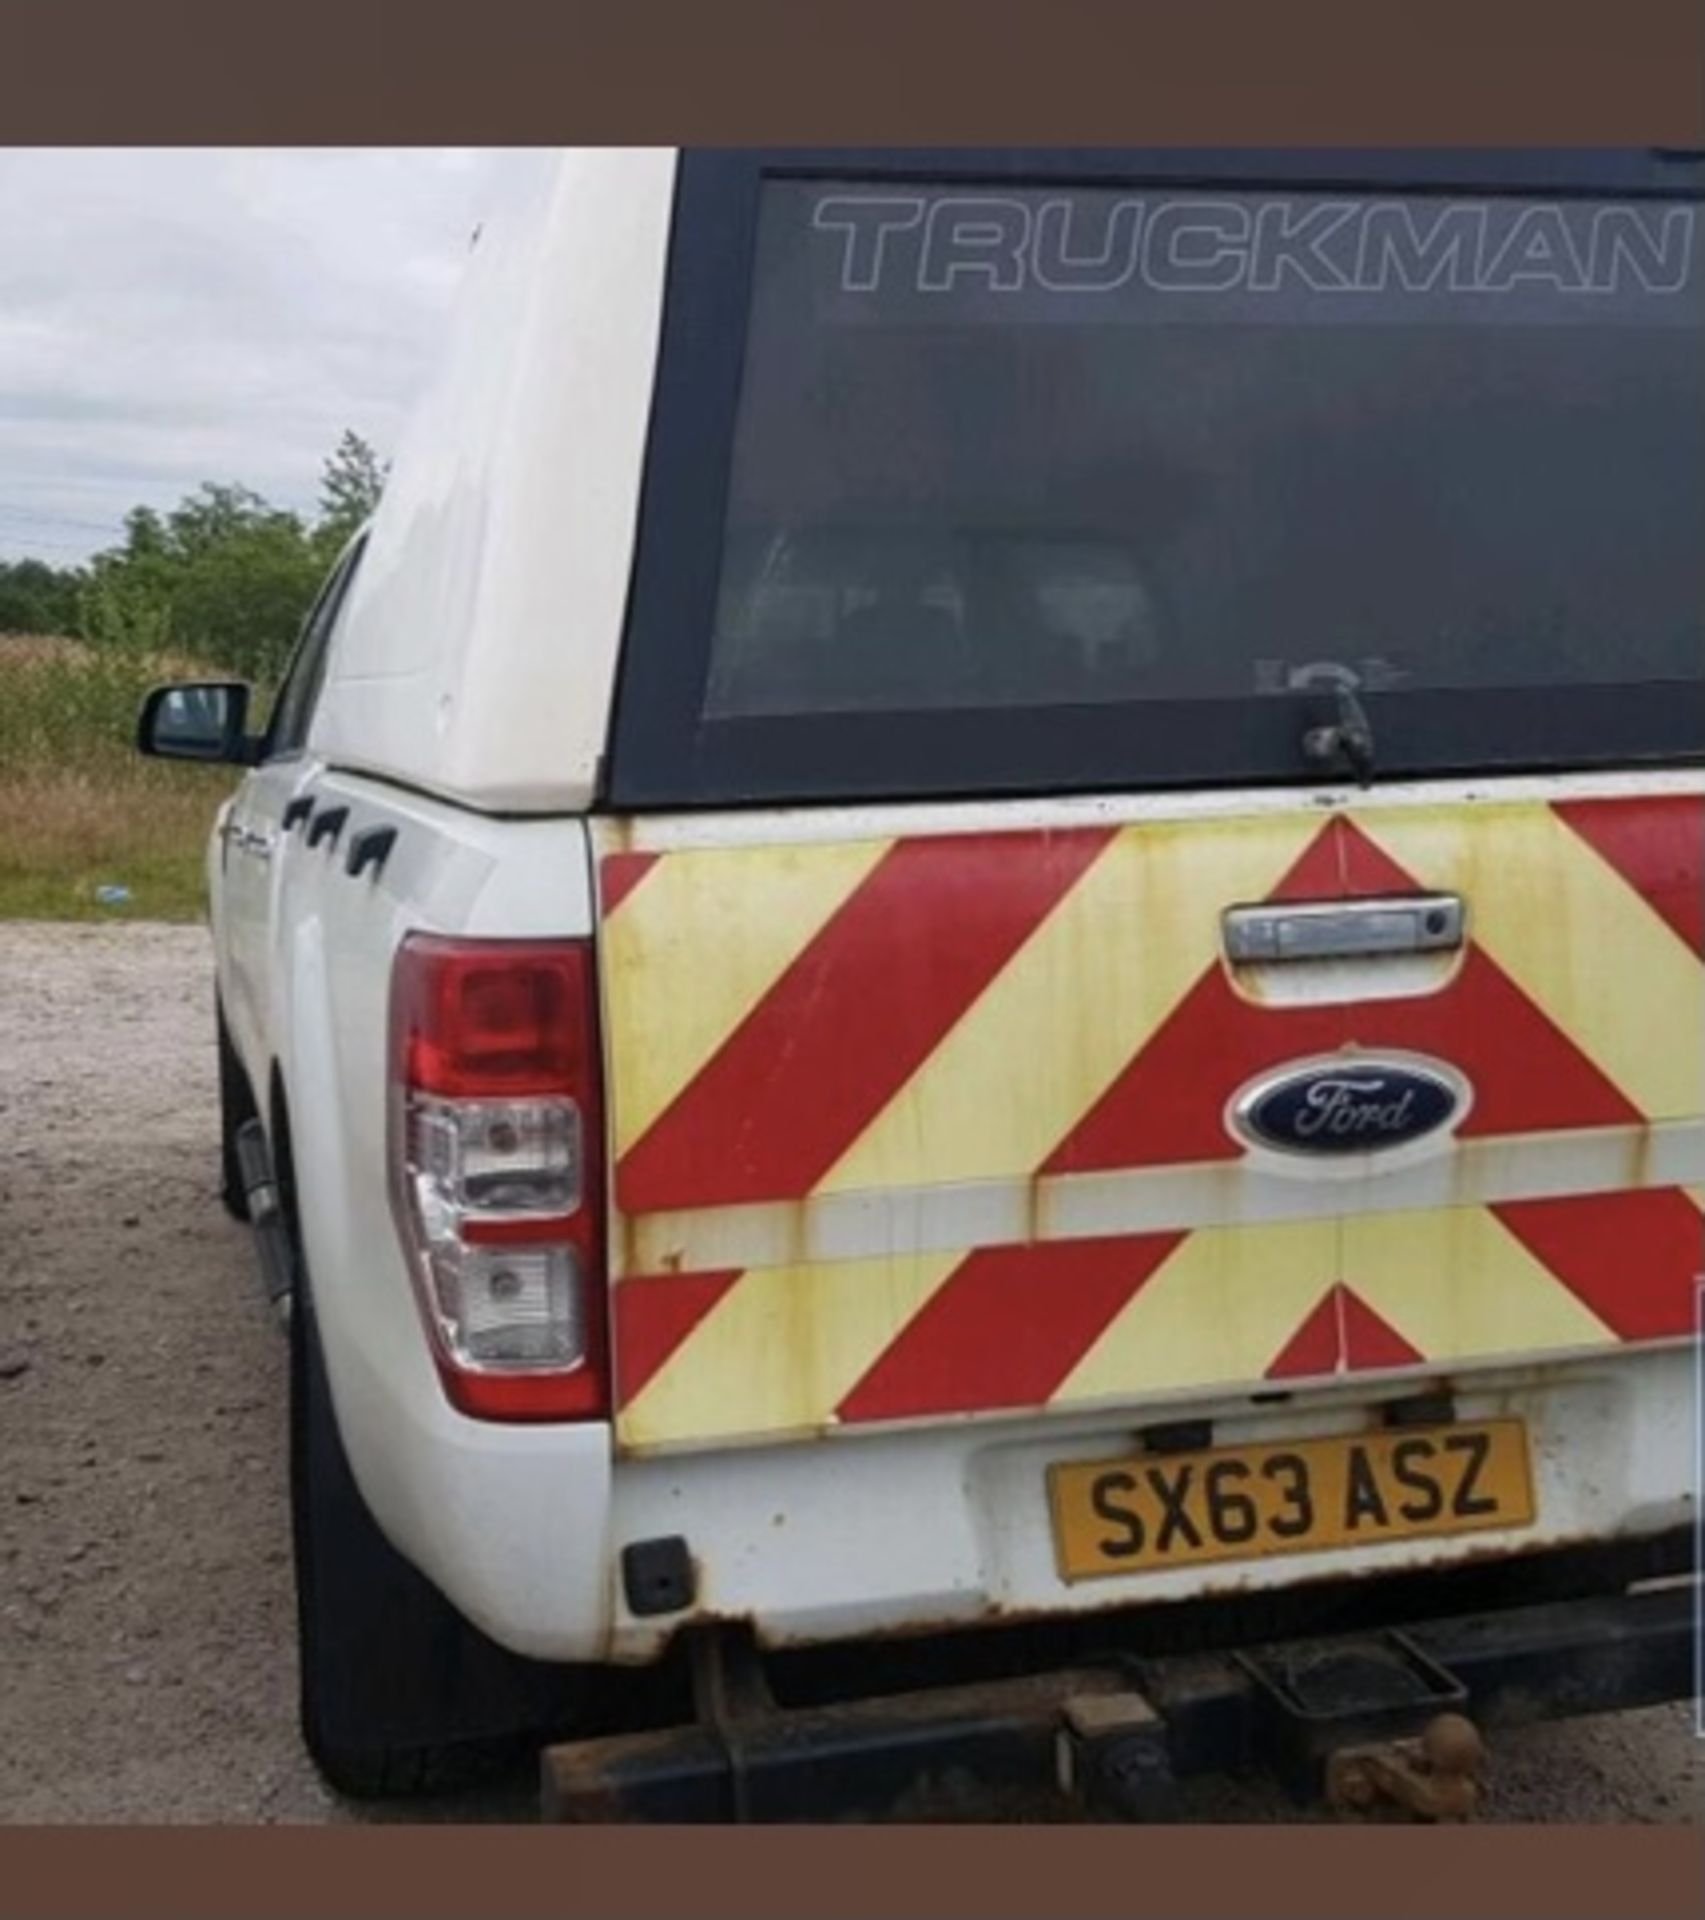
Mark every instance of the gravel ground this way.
pixel 146 1648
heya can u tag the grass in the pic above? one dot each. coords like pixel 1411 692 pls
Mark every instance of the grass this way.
pixel 80 809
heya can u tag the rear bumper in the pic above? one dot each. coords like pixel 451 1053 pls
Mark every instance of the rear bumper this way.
pixel 946 1526
pixel 893 1534
pixel 1327 1715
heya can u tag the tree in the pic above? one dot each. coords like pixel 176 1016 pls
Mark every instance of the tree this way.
pixel 37 598
pixel 224 577
pixel 144 531
pixel 240 598
pixel 351 481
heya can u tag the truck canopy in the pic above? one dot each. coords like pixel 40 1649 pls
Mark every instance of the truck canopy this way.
pixel 1156 450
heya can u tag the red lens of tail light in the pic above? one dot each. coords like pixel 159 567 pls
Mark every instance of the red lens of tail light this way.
pixel 496 1018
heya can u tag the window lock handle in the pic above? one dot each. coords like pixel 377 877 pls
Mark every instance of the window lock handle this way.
pixel 1348 742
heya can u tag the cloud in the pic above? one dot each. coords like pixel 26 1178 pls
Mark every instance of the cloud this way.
pixel 169 317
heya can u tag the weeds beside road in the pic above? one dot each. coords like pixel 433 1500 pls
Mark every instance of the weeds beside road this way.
pixel 80 809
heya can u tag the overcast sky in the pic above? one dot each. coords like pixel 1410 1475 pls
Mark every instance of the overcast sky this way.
pixel 173 317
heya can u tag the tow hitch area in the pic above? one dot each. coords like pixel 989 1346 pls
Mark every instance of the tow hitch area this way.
pixel 1392 1717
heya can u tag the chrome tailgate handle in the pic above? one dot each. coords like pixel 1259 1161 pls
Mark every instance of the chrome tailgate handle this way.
pixel 1345 930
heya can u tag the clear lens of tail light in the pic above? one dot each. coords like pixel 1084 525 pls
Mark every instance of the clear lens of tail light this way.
pixel 504 1156
pixel 504 1307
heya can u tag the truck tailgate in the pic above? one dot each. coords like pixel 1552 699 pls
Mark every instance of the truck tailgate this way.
pixel 933 1113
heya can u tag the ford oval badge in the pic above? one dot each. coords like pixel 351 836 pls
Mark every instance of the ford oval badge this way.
pixel 1349 1105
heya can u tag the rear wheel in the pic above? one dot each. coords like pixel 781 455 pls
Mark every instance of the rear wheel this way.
pixel 399 1694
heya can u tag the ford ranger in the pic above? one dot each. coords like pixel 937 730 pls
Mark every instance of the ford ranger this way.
pixel 961 987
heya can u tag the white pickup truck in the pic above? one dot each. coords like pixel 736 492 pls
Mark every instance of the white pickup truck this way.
pixel 961 984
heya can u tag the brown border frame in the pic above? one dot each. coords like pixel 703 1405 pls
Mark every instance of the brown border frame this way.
pixel 833 72
pixel 1483 72
pixel 845 1873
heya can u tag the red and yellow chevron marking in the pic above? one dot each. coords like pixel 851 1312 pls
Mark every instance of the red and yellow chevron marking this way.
pixel 934 1126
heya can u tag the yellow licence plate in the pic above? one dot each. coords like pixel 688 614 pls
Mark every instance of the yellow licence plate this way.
pixel 1298 1496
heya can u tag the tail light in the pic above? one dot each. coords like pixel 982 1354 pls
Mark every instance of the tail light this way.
pixel 496 1169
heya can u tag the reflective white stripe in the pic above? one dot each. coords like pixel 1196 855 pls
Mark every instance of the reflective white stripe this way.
pixel 803 826
pixel 993 1213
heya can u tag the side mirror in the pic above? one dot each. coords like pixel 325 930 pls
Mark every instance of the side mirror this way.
pixel 197 720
